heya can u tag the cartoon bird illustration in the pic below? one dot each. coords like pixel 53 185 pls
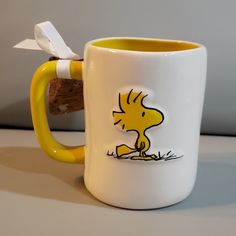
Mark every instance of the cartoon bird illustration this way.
pixel 135 116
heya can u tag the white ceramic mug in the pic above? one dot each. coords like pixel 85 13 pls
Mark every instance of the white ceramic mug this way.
pixel 143 107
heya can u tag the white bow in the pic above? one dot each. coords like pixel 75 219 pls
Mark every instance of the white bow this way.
pixel 49 40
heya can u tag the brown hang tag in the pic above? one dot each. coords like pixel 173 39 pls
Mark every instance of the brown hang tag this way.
pixel 65 95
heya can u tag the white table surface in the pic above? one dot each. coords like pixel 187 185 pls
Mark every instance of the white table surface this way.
pixel 39 196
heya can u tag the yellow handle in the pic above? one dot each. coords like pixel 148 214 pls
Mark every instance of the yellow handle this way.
pixel 41 78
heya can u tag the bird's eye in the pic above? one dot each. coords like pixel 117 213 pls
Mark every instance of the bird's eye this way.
pixel 143 114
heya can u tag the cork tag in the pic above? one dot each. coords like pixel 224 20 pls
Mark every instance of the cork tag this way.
pixel 65 95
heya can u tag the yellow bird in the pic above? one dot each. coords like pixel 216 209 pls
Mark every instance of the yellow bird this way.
pixel 135 116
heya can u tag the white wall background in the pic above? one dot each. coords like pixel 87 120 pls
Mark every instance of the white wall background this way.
pixel 210 22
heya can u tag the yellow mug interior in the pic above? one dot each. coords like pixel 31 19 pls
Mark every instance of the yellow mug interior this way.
pixel 145 45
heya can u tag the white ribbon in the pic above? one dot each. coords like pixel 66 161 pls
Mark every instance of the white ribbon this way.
pixel 49 40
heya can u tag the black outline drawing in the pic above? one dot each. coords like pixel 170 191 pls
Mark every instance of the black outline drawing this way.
pixel 139 150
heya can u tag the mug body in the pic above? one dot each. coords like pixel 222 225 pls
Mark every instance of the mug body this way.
pixel 143 108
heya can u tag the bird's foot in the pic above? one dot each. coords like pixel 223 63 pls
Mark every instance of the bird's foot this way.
pixel 144 158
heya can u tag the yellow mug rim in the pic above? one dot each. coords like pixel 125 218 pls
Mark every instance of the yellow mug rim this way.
pixel 143 45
